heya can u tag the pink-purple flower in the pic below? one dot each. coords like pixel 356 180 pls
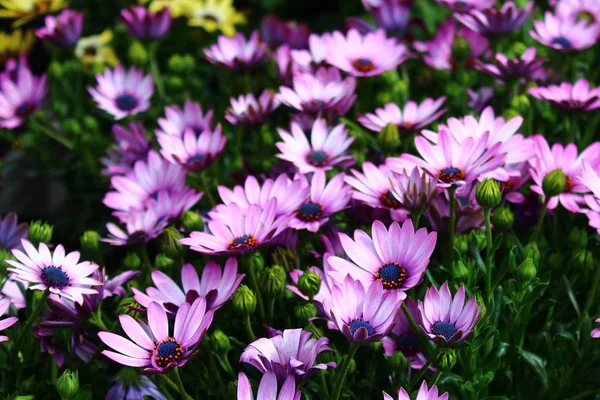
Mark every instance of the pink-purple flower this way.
pixel 275 32
pixel 237 52
pixel 123 92
pixel 215 286
pixel 327 147
pixel 447 319
pixel 492 21
pixel 577 96
pixel 132 145
pixel 5 322
pixel 62 30
pixel 391 15
pixel 424 394
pixel 365 55
pixel 526 66
pixel 142 24
pixel 58 272
pixel 140 227
pixel 248 110
pixel 291 353
pixel 178 120
pixel 565 34
pixel 415 191
pixel 412 118
pixel 397 258
pixel 596 332
pixel 152 345
pixel 461 6
pixel 126 389
pixel 267 390
pixel 579 9
pixel 11 232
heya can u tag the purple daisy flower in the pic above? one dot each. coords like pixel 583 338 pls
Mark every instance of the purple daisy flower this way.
pixel 60 273
pixel 142 24
pixel 324 200
pixel 253 193
pixel 404 339
pixel 362 314
pixel 579 9
pixel 236 52
pixel 313 58
pixel 191 150
pixel 5 322
pixel 179 120
pixel 151 346
pixel 291 353
pixel 396 258
pixel 391 15
pixel 21 94
pixel 565 34
pixel 448 320
pixel 133 390
pixel 518 176
pixel 567 159
pixel 12 290
pixel 275 32
pixel 326 149
pixel 461 6
pixel 526 66
pixel 324 92
pixel 248 110
pixel 412 118
pixel 415 190
pixel 215 286
pixel 596 332
pixel 63 30
pixel 122 93
pixel 424 394
pixel 141 227
pixel 492 21
pixel 480 98
pixel 368 55
pixel 590 178
pixel 577 96
pixel 267 389
pixel 469 215
pixel 243 232
pixel 132 145
pixel 11 232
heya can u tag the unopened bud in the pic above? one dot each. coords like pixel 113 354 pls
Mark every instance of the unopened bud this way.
pixel 532 251
pixel 462 244
pixel 192 222
pixel 520 103
pixel 220 341
pixel 170 242
pixel 40 232
pixel 129 306
pixel 55 70
pixel 554 183
pixel 446 358
pixel 578 238
pixel 581 259
pixel 138 54
pixel 67 384
pixel 488 193
pixel 503 218
pixel 244 301
pixel 556 261
pixel 460 270
pixel 163 262
pixel 132 261
pixel 389 137
pixel 90 240
pixel 309 284
pixel 527 270
pixel 274 280
pixel 305 311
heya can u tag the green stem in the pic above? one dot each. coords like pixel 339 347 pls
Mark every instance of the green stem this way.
pixel 207 189
pixel 179 385
pixel 272 309
pixel 343 371
pixel 256 287
pixel 421 373
pixel 417 331
pixel 26 330
pixel 436 378
pixel 146 264
pixel 160 86
pixel 591 297
pixel 452 227
pixel 488 259
pixel 324 384
pixel 538 226
pixel 249 331
pixel 216 371
pixel 52 134
pixel 161 380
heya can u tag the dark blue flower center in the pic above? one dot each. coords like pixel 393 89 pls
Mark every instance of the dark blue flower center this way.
pixel 154 195
pixel 363 65
pixel 126 102
pixel 388 199
pixel 318 158
pixel 391 275
pixel 444 329
pixel 310 212
pixel 137 237
pixel 198 158
pixel 359 323
pixel 451 174
pixel 562 42
pixel 408 343
pixel 168 351
pixel 24 109
pixel 246 240
pixel 55 277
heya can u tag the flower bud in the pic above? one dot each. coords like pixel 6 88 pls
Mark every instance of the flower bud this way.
pixel 132 261
pixel 170 242
pixel 461 243
pixel 244 301
pixel 398 361
pixel 90 123
pixel 72 126
pixel 510 113
pixel 5 255
pixel 461 49
pixel 305 311
pixel 389 137
pixel 503 218
pixel 309 284
pixel 352 366
pixel 527 270
pixel 67 384
pixel 556 261
pixel 129 306
pixel 532 251
pixel 220 341
pixel 274 280
pixel 578 239
pixel 55 70
pixel 90 240
pixel 520 103
pixel 581 259
pixel 554 183
pixel 460 270
pixel 39 232
pixel 445 358
pixel 174 82
pixel 489 193
pixel 163 262
pixel 518 48
pixel 138 54
pixel 192 222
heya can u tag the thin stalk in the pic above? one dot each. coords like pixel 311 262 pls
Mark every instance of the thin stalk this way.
pixel 146 264
pixel 216 371
pixel 160 86
pixel 488 259
pixel 343 371
pixel 452 227
pixel 161 380
pixel 52 134
pixel 27 328
pixel 256 287
pixel 324 384
pixel 591 297
pixel 249 331
pixel 421 373
pixel 207 189
pixel 179 384
pixel 538 226
pixel 418 331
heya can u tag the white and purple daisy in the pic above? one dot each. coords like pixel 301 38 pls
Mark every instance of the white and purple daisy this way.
pixel 526 66
pixel 178 120
pixel 579 9
pixel 248 110
pixel 63 30
pixel 577 96
pixel 461 6
pixel 6 322
pixel 412 118
pixel 191 150
pixel 127 389
pixel 236 52
pixel 122 93
pixel 391 15
pixel 21 94
pixel 414 191
pixel 132 145
pixel 424 394
pixel 492 21
pixel 142 24
pixel 11 232
pixel 565 34
pixel 267 390
pixel 141 227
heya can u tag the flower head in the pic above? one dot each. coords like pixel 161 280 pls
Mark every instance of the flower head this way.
pixel 248 110
pixel 142 24
pixel 461 6
pixel 492 21
pixel 565 34
pixel 11 233
pixel 236 53
pixel 95 50
pixel 391 15
pixel 468 213
pixel 526 66
pixel 363 314
pixel 368 55
pixel 447 319
pixel 267 389
pixel 141 227
pixel 60 273
pixel 191 150
pixel 424 394
pixel 396 258
pixel 132 145
pixel 5 322
pixel 596 332
pixel 215 286
pixel 127 389
pixel 326 149
pixel 291 353
pixel 151 345
pixel 179 120
pixel 122 93
pixel 412 118
pixel 577 96
pixel 212 15
pixel 312 58
pixel 579 9
pixel 415 190
pixel 275 32
pixel 64 29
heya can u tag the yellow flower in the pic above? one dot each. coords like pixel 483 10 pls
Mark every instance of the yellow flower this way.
pixel 26 10
pixel 13 44
pixel 214 14
pixel 175 6
pixel 96 51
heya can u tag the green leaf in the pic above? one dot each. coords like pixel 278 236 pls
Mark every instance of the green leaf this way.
pixel 571 295
pixel 538 365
